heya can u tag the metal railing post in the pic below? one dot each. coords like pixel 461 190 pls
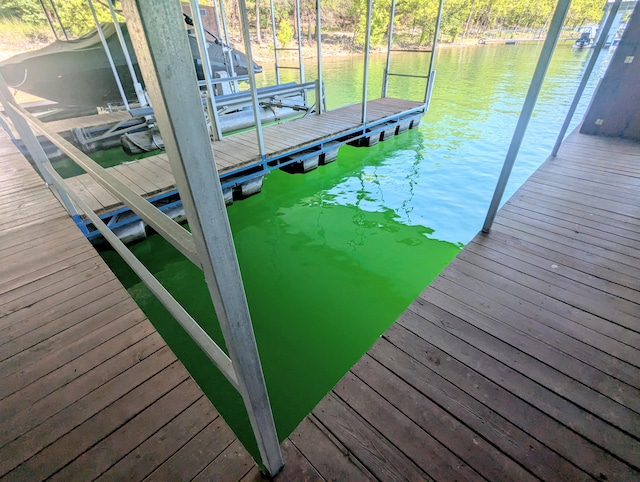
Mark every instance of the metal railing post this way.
pixel 320 85
pixel 385 77
pixel 225 48
pixel 275 42
pixel 164 55
pixel 108 54
pixel 142 99
pixel 298 34
pixel 216 130
pixel 252 76
pixel 432 73
pixel 525 116
pixel 365 80
pixel 602 38
pixel 31 143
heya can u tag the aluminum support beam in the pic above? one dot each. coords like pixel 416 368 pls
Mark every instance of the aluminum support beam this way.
pixel 527 110
pixel 432 60
pixel 142 100
pixel 602 38
pixel 365 80
pixel 320 86
pixel 275 41
pixel 299 37
pixel 109 57
pixel 387 66
pixel 179 237
pixel 167 66
pixel 252 76
pixel 215 354
pixel 31 142
pixel 216 130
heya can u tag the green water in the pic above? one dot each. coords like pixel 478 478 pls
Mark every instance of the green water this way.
pixel 331 258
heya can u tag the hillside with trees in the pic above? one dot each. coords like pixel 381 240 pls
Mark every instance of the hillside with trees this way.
pixel 343 21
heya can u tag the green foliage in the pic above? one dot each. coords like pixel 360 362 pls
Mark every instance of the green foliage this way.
pixel 76 16
pixel 285 31
pixel 28 11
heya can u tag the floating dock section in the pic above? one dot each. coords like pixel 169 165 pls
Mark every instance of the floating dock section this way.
pixel 297 145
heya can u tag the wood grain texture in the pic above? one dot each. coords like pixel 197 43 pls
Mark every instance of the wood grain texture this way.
pixel 521 360
pixel 88 388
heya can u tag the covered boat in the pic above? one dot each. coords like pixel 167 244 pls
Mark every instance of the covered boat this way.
pixel 77 72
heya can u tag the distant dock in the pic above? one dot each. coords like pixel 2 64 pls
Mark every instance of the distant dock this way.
pixel 301 144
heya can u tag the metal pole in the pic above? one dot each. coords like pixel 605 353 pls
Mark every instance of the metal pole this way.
pixel 385 78
pixel 320 84
pixel 299 35
pixel 365 80
pixel 432 73
pixel 602 38
pixel 164 56
pixel 529 103
pixel 55 12
pixel 252 76
pixel 216 131
pixel 142 99
pixel 225 47
pixel 108 53
pixel 31 142
pixel 46 14
pixel 275 42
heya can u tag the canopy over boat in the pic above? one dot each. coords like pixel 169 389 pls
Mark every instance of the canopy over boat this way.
pixel 77 72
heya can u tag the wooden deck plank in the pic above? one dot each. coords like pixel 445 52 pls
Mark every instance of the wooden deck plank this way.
pixel 129 440
pixel 240 150
pixel 85 380
pixel 522 358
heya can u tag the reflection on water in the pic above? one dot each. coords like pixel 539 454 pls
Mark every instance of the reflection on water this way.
pixel 331 258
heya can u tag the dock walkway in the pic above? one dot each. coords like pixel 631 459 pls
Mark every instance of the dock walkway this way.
pixel 237 156
pixel 88 388
pixel 521 361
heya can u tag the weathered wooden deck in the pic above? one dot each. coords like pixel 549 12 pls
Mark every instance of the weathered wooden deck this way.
pixel 87 386
pixel 521 361
pixel 152 176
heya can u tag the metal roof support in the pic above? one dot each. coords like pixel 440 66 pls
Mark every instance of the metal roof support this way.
pixel 137 86
pixel 529 103
pixel 226 50
pixel 602 38
pixel 216 130
pixel 385 77
pixel 320 85
pixel 275 41
pixel 432 73
pixel 55 12
pixel 31 142
pixel 252 76
pixel 365 81
pixel 299 36
pixel 166 62
pixel 109 57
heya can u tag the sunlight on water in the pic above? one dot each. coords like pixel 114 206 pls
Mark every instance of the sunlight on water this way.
pixel 331 258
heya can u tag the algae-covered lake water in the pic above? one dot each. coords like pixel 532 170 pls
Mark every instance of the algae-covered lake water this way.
pixel 330 259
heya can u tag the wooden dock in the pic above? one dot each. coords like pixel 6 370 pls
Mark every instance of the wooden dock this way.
pixel 237 155
pixel 521 361
pixel 88 388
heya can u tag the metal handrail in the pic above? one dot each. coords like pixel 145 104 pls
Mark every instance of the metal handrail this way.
pixel 178 236
pixel 409 75
pixel 419 51
pixel 219 358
